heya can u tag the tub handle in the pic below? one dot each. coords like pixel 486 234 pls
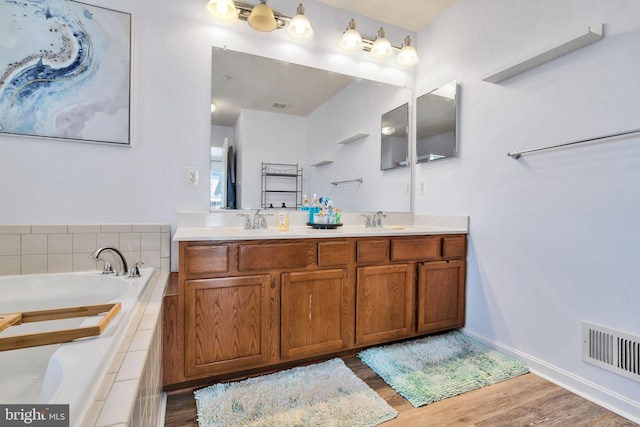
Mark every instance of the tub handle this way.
pixel 135 270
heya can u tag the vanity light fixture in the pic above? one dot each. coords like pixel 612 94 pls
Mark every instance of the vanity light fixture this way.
pixel 222 10
pixel 407 55
pixel 300 28
pixel 381 47
pixel 351 40
pixel 378 47
pixel 261 17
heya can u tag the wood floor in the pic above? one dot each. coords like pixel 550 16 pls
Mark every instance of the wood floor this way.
pixel 527 400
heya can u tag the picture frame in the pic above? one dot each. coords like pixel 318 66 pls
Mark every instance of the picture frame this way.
pixel 65 71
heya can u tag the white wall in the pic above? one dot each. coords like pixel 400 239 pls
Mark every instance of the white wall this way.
pixel 45 181
pixel 555 236
pixel 258 132
pixel 357 108
pixel 219 133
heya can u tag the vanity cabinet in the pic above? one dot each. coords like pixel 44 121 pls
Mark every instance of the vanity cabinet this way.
pixel 384 301
pixel 226 324
pixel 441 295
pixel 252 305
pixel 313 313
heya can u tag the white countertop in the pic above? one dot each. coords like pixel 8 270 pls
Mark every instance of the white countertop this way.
pixel 194 226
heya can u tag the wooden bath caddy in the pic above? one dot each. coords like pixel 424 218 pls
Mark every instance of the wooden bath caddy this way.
pixel 57 336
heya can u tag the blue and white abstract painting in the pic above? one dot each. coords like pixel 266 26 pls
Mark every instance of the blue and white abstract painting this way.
pixel 65 71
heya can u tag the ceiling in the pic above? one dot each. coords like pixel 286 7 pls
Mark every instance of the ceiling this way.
pixel 238 81
pixel 411 15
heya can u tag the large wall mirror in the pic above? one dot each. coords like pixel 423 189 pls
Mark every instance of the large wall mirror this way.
pixel 436 121
pixel 328 124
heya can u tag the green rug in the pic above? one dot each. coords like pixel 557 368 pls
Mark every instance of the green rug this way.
pixel 429 369
pixel 324 394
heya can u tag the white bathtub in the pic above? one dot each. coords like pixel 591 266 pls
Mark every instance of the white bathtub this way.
pixel 67 373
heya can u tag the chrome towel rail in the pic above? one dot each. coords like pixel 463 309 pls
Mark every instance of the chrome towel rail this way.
pixel 518 154
pixel 348 180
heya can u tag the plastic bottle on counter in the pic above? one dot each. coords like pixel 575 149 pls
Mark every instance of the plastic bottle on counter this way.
pixel 314 208
pixel 283 220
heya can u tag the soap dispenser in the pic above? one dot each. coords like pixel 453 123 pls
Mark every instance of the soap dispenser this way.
pixel 283 220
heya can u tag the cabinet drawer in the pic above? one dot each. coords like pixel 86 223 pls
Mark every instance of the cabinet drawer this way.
pixel 373 250
pixel 415 249
pixel 206 259
pixel 273 256
pixel 333 254
pixel 454 247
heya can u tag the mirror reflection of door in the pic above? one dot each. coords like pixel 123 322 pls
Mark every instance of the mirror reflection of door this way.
pixel 394 139
pixel 436 117
pixel 218 176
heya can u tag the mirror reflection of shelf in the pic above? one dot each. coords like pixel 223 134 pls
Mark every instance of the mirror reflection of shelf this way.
pixel 281 185
pixel 321 163
pixel 354 137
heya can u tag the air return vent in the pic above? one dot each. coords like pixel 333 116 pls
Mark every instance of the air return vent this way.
pixel 280 105
pixel 613 350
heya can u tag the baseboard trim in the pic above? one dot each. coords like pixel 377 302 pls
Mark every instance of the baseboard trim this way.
pixel 162 409
pixel 595 393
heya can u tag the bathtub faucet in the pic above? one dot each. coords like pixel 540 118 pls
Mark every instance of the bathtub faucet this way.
pixel 122 268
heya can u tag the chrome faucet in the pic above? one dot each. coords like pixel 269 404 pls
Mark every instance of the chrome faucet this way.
pixel 260 221
pixel 374 220
pixel 122 268
pixel 247 221
pixel 377 218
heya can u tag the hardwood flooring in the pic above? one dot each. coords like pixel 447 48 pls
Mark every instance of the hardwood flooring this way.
pixel 527 400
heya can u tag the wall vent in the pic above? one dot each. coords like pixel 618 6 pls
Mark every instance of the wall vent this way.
pixel 612 350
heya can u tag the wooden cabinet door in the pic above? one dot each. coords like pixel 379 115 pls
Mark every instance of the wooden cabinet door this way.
pixel 226 324
pixel 384 303
pixel 314 313
pixel 441 295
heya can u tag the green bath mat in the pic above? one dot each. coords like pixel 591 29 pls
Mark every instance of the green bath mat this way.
pixel 429 369
pixel 324 394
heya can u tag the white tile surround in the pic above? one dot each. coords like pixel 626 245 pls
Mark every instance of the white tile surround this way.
pixel 130 394
pixel 33 249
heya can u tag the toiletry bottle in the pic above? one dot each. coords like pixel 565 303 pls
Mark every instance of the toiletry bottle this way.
pixel 331 217
pixel 314 208
pixel 305 203
pixel 283 220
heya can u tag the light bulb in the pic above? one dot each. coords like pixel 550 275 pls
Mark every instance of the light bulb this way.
pixel 351 39
pixel 222 10
pixel 300 27
pixel 262 18
pixel 408 55
pixel 381 47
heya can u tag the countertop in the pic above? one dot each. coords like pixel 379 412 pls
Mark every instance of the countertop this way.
pixel 210 226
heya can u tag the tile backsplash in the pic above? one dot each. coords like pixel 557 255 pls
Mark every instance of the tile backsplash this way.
pixel 32 249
